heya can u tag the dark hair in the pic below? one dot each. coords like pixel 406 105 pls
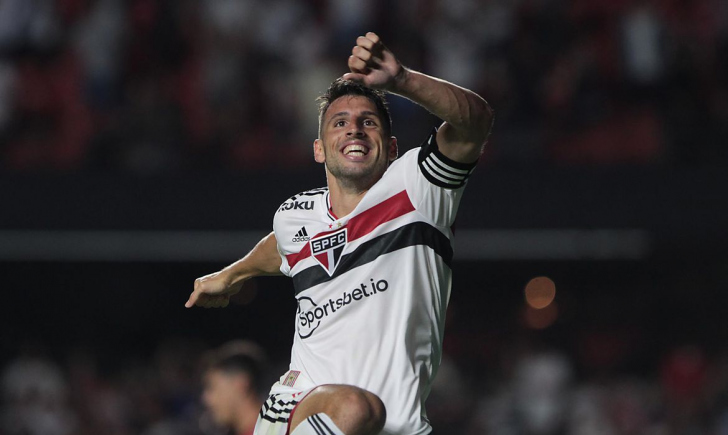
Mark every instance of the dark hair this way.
pixel 340 88
pixel 238 357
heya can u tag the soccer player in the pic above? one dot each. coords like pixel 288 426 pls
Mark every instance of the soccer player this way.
pixel 369 255
pixel 231 385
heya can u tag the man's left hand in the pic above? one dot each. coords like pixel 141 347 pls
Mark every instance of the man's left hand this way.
pixel 373 65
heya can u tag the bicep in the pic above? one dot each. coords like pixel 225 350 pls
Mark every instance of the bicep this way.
pixel 270 259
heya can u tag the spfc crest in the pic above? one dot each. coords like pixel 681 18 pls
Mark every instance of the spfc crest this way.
pixel 327 249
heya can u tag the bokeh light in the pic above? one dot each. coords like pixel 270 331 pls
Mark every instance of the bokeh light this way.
pixel 540 292
pixel 540 318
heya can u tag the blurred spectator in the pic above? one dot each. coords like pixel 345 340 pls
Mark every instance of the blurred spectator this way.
pixel 535 392
pixel 35 398
pixel 234 386
pixel 449 403
pixel 159 86
pixel 100 42
pixel 643 45
pixel 541 385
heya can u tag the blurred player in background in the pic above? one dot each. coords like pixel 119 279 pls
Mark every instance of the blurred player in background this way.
pixel 232 390
pixel 369 255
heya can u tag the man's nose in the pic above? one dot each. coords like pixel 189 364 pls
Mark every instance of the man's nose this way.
pixel 355 131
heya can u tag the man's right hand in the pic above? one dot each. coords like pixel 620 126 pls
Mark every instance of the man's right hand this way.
pixel 213 290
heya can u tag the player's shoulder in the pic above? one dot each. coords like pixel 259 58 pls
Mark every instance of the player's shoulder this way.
pixel 407 165
pixel 411 158
pixel 303 201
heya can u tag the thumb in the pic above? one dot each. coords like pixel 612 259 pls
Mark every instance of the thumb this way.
pixel 354 77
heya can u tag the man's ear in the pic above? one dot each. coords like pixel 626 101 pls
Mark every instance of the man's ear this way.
pixel 318 151
pixel 393 152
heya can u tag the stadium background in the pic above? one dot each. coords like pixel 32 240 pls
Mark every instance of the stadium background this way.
pixel 145 143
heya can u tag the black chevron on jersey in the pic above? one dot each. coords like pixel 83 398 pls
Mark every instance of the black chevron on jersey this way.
pixel 416 233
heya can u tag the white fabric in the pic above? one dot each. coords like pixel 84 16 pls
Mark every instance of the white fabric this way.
pixel 378 322
pixel 277 410
pixel 317 424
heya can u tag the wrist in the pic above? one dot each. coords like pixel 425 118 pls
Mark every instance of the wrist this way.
pixel 401 81
pixel 230 275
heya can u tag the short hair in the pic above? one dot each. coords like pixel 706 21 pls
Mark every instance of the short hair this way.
pixel 238 357
pixel 341 88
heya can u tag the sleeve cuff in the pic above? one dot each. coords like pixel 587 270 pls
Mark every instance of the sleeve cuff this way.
pixel 440 170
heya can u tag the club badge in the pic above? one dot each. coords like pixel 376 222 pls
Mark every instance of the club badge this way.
pixel 327 249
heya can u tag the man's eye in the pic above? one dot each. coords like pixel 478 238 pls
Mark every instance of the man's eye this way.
pixel 339 123
pixel 369 123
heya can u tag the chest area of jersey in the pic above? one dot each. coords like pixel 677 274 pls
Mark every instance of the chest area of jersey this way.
pixel 323 242
pixel 326 249
pixel 325 239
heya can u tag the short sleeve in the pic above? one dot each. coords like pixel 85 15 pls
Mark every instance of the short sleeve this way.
pixel 439 169
pixel 285 268
pixel 279 229
pixel 435 183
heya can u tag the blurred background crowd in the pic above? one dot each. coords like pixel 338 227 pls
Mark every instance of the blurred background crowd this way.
pixel 608 111
pixel 533 392
pixel 161 85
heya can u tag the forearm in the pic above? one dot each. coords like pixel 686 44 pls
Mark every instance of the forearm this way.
pixel 468 116
pixel 262 260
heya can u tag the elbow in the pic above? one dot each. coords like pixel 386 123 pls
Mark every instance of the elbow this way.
pixel 488 121
pixel 487 115
pixel 480 114
pixel 482 122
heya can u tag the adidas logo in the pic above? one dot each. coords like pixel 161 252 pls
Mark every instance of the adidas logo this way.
pixel 301 236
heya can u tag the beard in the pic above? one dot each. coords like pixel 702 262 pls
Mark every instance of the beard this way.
pixel 359 178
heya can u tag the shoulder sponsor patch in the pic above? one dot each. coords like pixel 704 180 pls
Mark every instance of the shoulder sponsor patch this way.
pixel 297 205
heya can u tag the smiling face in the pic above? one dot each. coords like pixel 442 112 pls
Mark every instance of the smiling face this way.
pixel 353 142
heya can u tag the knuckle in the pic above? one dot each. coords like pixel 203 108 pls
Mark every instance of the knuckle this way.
pixel 364 42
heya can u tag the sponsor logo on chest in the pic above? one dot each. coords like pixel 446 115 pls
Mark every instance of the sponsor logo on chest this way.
pixel 312 314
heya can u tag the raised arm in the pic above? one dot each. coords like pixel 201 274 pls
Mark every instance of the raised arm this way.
pixel 214 290
pixel 468 117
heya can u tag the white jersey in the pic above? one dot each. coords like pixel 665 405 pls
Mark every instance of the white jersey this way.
pixel 372 287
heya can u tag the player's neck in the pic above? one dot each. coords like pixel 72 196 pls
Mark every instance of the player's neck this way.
pixel 344 199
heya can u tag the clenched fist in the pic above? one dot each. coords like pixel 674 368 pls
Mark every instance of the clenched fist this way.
pixel 373 65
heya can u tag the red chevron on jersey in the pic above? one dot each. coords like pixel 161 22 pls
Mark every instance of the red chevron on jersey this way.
pixel 360 225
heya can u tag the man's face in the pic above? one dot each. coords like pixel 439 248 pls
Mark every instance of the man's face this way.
pixel 221 394
pixel 353 143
